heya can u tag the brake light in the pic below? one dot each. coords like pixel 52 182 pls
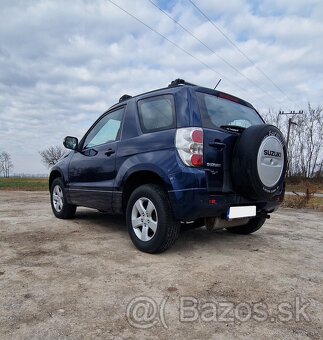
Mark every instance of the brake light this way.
pixel 197 136
pixel 229 97
pixel 189 144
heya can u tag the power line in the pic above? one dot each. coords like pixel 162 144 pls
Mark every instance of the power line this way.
pixel 244 54
pixel 177 46
pixel 212 50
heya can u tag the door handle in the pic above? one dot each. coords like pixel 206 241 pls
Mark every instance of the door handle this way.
pixel 109 152
pixel 218 145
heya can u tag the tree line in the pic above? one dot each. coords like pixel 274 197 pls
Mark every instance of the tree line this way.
pixel 49 157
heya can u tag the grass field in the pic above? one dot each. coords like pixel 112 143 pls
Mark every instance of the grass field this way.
pixel 314 186
pixel 28 184
pixel 299 202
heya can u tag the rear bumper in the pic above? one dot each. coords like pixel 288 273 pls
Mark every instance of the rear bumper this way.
pixel 191 204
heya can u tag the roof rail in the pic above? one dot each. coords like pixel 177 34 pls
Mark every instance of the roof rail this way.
pixel 179 81
pixel 124 97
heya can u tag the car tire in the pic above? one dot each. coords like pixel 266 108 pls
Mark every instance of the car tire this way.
pixel 259 162
pixel 151 224
pixel 253 225
pixel 60 207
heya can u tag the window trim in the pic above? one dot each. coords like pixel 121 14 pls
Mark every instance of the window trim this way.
pixel 151 98
pixel 81 144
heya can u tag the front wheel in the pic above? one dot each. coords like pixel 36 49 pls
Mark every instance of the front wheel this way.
pixel 60 207
pixel 151 224
pixel 253 225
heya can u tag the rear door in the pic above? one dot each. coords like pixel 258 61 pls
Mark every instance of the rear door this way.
pixel 218 147
pixel 92 170
pixel 223 119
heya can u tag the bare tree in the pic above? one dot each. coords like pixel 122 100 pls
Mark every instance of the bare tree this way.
pixel 52 155
pixel 305 142
pixel 306 147
pixel 6 164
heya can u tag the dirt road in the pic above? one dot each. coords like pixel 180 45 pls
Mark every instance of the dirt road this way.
pixel 82 278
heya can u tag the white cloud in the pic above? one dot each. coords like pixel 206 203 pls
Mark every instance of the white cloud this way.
pixel 64 63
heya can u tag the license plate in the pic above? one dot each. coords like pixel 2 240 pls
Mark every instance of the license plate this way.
pixel 239 212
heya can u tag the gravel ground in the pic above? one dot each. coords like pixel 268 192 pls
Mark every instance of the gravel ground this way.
pixel 83 279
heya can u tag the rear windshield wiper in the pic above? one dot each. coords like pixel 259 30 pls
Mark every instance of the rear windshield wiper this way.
pixel 234 128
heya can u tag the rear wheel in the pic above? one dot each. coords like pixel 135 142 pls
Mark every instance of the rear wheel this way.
pixel 151 224
pixel 253 225
pixel 60 207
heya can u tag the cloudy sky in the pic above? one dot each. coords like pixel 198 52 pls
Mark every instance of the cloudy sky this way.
pixel 63 63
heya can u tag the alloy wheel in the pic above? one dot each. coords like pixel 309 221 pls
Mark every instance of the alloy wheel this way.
pixel 144 219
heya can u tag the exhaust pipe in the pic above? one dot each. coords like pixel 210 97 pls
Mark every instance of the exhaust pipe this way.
pixel 216 223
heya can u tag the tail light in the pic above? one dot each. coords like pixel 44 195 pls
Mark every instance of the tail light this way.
pixel 189 144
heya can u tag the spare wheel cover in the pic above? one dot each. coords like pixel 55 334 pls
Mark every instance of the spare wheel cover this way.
pixel 270 160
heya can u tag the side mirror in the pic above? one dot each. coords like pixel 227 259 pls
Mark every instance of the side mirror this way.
pixel 70 143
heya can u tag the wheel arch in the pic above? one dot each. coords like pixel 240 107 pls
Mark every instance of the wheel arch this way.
pixel 138 178
pixel 53 175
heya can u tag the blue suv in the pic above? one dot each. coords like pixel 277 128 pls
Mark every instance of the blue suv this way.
pixel 183 156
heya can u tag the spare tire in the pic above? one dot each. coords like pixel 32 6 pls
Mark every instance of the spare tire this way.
pixel 259 162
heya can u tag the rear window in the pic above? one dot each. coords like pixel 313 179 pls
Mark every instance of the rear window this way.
pixel 218 112
pixel 157 113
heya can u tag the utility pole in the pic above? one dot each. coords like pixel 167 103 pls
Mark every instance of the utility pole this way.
pixel 290 122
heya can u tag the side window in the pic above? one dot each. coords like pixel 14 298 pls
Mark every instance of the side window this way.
pixel 157 113
pixel 106 130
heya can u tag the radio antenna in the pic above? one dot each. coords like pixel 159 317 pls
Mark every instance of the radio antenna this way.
pixel 217 84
